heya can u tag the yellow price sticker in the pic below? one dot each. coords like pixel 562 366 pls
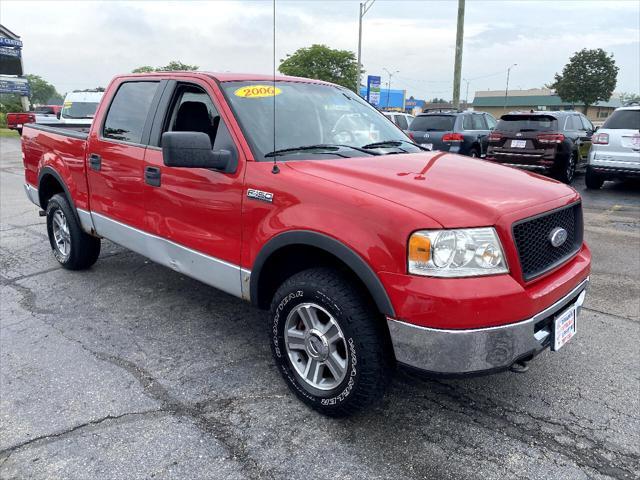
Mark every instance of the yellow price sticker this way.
pixel 257 91
pixel 67 104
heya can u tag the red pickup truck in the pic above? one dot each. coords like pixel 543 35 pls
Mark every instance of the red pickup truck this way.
pixel 298 196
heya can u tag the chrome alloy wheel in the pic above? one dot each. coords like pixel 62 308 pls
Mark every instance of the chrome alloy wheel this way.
pixel 61 234
pixel 316 346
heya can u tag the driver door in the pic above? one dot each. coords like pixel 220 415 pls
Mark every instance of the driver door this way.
pixel 195 212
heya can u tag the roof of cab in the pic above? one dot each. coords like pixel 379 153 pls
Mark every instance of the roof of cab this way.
pixel 229 77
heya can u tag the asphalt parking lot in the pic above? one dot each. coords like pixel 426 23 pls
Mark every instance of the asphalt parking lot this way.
pixel 130 370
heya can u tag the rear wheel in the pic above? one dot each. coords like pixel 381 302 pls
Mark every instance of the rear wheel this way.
pixel 592 180
pixel 72 247
pixel 328 342
pixel 566 169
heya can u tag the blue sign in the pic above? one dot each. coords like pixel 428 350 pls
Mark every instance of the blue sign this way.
pixel 10 42
pixel 373 90
pixel 19 86
pixel 10 52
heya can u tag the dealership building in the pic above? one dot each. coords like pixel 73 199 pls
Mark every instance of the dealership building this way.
pixel 495 103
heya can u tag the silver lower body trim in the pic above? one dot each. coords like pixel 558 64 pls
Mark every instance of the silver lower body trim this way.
pixel 86 222
pixel 210 270
pixel 482 350
pixel 32 194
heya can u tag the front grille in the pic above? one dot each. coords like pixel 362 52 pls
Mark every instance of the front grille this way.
pixel 532 237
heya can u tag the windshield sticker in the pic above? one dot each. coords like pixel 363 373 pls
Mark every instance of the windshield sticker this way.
pixel 257 91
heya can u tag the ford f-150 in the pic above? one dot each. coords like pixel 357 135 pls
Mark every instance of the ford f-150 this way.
pixel 294 194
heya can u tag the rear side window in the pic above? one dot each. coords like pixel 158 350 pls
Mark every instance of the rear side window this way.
pixel 433 123
pixel 491 122
pixel 128 111
pixel 401 121
pixel 527 123
pixel 473 121
pixel 623 119
pixel 573 123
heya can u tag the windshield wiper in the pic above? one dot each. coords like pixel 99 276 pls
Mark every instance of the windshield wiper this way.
pixel 393 143
pixel 331 149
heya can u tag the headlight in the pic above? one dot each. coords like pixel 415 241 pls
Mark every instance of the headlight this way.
pixel 466 252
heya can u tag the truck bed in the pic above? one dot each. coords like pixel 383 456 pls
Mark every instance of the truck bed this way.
pixel 67 130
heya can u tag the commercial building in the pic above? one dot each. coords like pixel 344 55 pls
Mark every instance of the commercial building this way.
pixel 11 71
pixel 389 99
pixel 495 103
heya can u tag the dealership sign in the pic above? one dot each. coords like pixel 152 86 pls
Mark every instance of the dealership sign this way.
pixel 373 90
pixel 10 42
pixel 14 85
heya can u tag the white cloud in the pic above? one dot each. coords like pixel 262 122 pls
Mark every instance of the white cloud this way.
pixel 83 44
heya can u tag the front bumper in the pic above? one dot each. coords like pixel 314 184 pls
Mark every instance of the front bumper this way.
pixel 482 350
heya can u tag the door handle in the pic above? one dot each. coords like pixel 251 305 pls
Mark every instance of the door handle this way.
pixel 95 162
pixel 152 176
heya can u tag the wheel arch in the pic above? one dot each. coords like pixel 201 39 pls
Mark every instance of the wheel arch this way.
pixel 298 245
pixel 51 183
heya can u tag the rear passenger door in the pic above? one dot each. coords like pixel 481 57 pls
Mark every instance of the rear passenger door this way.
pixel 115 156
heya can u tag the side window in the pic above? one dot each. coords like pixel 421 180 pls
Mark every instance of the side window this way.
pixel 478 122
pixel 586 124
pixel 193 111
pixel 491 122
pixel 128 111
pixel 401 121
pixel 467 123
pixel 573 123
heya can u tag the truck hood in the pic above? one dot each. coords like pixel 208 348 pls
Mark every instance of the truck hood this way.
pixel 453 190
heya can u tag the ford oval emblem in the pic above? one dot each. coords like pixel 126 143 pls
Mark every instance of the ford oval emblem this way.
pixel 558 236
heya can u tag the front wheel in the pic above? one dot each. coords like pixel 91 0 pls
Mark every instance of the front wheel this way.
pixel 72 247
pixel 328 342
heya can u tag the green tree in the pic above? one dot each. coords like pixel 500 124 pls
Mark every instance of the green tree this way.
pixel 172 66
pixel 42 92
pixel 322 63
pixel 589 77
pixel 10 102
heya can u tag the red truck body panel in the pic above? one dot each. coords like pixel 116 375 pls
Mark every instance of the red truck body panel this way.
pixel 371 205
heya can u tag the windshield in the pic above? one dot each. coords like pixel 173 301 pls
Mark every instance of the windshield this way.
pixel 527 123
pixel 309 114
pixel 433 123
pixel 624 120
pixel 79 109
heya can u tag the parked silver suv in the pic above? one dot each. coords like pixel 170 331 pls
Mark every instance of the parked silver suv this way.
pixel 615 148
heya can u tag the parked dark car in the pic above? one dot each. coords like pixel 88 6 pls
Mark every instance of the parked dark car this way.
pixel 465 133
pixel 552 143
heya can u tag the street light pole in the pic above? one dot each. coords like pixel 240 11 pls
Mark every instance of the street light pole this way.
pixel 364 8
pixel 506 90
pixel 391 74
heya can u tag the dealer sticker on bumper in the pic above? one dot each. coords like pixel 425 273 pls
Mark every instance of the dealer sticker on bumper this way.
pixel 564 328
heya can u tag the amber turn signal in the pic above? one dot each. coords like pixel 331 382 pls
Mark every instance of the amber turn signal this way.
pixel 419 248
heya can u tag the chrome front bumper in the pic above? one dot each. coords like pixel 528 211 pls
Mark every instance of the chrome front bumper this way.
pixel 482 350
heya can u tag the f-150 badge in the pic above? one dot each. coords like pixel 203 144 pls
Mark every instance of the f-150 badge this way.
pixel 260 195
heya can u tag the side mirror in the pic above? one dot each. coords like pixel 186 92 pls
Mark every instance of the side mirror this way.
pixel 596 129
pixel 193 150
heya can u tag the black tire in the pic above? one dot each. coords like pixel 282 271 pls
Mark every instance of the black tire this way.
pixel 566 168
pixel 474 153
pixel 367 356
pixel 592 180
pixel 82 250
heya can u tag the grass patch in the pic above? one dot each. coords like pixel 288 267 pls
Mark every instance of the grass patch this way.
pixel 5 132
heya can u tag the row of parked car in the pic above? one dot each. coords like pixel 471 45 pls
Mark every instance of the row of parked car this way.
pixel 78 109
pixel 556 143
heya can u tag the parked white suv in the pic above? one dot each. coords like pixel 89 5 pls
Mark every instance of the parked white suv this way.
pixel 79 108
pixel 615 148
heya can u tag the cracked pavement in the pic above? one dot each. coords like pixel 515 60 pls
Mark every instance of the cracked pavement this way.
pixel 130 370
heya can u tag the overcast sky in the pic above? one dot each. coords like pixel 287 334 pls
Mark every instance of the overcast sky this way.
pixel 83 44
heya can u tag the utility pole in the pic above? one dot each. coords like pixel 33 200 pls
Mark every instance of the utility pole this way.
pixel 391 74
pixel 364 8
pixel 466 97
pixel 506 90
pixel 457 69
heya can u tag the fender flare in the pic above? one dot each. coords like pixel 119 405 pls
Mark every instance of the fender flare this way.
pixel 324 242
pixel 50 171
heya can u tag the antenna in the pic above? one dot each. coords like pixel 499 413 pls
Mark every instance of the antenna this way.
pixel 275 168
